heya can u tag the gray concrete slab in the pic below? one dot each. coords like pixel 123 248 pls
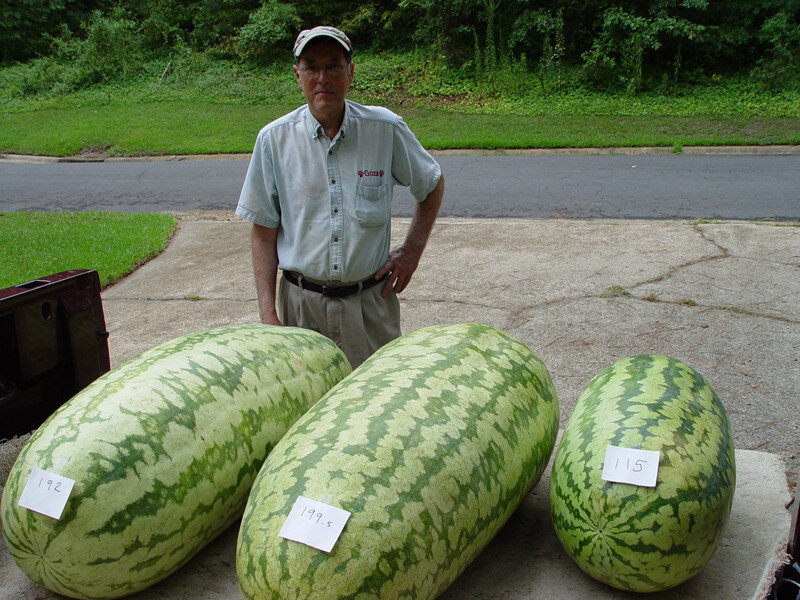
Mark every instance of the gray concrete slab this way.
pixel 581 294
pixel 178 316
pixel 720 296
pixel 525 560
pixel 757 272
pixel 205 260
pixel 520 263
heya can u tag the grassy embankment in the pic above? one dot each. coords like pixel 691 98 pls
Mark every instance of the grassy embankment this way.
pixel 214 107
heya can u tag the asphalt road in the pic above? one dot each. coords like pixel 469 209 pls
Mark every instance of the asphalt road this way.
pixel 480 186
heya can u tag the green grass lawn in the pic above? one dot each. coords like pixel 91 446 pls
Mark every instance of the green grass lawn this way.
pixel 135 129
pixel 193 127
pixel 34 244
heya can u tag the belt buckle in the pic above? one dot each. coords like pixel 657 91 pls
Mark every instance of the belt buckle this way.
pixel 338 291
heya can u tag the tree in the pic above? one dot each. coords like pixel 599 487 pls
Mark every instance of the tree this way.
pixel 270 31
pixel 617 54
pixel 26 24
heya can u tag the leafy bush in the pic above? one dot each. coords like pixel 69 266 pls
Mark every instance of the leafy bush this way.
pixel 780 68
pixel 509 48
pixel 163 26
pixel 112 49
pixel 269 32
pixel 548 41
pixel 39 76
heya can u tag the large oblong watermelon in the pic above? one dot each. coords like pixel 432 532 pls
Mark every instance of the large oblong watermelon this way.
pixel 633 537
pixel 430 445
pixel 163 450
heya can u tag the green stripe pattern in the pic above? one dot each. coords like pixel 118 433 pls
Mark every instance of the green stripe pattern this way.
pixel 639 538
pixel 164 450
pixel 431 444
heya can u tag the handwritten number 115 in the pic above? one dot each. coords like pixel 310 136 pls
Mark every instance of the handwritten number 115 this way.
pixel 637 465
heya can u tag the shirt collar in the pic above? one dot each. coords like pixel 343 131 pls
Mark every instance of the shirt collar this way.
pixel 315 129
pixel 346 120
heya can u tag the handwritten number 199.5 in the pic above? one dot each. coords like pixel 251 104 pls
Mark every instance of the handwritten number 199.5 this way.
pixel 637 465
pixel 311 513
pixel 54 486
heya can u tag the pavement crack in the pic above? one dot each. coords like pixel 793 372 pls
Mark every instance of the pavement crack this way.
pixel 674 269
pixel 707 237
pixel 723 253
pixel 731 308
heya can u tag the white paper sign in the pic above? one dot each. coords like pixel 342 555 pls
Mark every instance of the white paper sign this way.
pixel 314 524
pixel 630 465
pixel 46 493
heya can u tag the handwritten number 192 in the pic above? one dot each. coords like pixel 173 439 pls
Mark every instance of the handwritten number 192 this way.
pixel 311 513
pixel 637 465
pixel 54 486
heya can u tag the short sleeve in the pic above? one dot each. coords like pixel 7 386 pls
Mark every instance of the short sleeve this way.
pixel 258 200
pixel 412 165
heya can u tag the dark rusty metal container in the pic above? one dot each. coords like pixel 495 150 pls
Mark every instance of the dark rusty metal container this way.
pixel 53 343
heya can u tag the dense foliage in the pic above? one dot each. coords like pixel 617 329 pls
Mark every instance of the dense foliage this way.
pixel 625 44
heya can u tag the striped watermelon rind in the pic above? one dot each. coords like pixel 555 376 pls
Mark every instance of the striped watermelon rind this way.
pixel 163 450
pixel 430 444
pixel 638 538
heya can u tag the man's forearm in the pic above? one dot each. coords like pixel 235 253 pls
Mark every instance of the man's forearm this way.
pixel 424 217
pixel 265 268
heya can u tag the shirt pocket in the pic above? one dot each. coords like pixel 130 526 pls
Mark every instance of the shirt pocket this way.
pixel 372 205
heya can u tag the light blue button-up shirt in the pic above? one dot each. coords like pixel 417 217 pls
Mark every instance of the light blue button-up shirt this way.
pixel 331 199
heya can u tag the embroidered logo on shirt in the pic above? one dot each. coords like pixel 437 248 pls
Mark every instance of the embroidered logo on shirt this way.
pixel 371 173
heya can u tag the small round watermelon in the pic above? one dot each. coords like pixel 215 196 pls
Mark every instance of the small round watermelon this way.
pixel 631 536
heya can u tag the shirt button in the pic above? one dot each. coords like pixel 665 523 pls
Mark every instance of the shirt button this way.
pixel 330 152
pixel 336 239
pixel 335 267
pixel 335 210
pixel 333 181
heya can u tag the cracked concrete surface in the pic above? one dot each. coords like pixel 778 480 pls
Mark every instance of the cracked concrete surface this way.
pixel 722 297
pixel 750 276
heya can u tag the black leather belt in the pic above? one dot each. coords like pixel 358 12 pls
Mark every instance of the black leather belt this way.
pixel 326 290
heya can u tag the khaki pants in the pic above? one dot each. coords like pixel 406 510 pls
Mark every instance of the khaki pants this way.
pixel 359 323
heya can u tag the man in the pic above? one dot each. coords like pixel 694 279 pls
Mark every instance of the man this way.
pixel 319 191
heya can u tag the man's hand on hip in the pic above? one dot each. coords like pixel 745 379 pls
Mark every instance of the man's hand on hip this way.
pixel 403 261
pixel 401 265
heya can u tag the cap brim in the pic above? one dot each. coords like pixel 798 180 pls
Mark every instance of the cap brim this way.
pixel 298 50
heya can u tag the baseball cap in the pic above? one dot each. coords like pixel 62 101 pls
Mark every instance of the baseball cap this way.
pixel 307 35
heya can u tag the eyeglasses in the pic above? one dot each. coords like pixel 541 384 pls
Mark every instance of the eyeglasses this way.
pixel 313 71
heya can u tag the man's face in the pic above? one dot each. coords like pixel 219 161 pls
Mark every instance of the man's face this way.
pixel 324 89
